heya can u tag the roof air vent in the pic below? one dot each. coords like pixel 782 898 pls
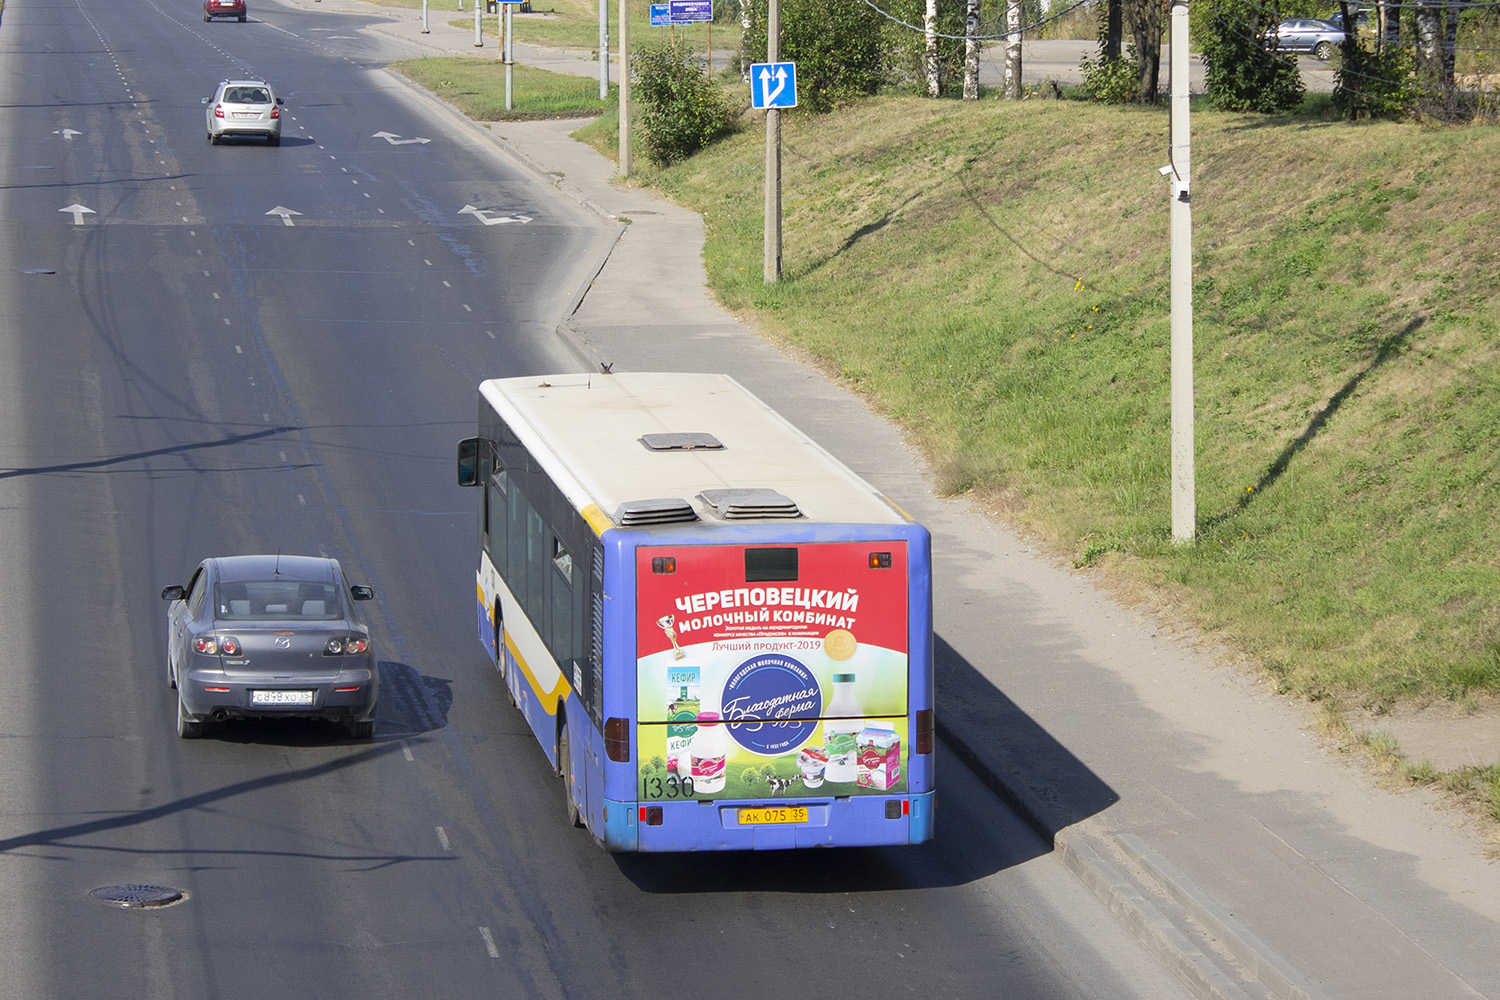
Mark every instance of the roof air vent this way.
pixel 666 510
pixel 680 442
pixel 734 505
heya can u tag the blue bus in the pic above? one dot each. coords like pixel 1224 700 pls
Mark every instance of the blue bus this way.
pixel 720 635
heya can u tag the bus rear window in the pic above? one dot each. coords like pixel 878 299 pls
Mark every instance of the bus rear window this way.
pixel 770 564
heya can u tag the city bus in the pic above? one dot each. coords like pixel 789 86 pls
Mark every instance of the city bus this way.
pixel 720 635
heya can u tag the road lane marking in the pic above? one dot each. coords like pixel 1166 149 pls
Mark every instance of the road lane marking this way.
pixel 443 839
pixel 489 942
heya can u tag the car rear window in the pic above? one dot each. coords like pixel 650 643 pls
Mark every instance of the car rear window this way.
pixel 247 95
pixel 277 600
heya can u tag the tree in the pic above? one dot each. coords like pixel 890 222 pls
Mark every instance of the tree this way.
pixel 837 46
pixel 971 52
pixel 1242 74
pixel 1144 18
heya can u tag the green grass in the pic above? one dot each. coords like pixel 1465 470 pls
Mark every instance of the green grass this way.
pixel 477 88
pixel 994 277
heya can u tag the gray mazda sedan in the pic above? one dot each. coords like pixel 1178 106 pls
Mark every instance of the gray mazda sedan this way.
pixel 270 637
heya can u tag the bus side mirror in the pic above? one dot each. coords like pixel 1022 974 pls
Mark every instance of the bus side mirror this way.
pixel 468 462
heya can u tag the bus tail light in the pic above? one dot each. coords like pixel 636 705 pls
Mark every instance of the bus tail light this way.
pixel 880 560
pixel 924 731
pixel 617 740
pixel 651 815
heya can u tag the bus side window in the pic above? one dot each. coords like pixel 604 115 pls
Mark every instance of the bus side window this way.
pixel 495 518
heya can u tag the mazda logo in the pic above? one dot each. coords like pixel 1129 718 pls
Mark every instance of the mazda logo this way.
pixel 283 642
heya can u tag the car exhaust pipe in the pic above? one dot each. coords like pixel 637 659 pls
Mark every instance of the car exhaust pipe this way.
pixel 220 715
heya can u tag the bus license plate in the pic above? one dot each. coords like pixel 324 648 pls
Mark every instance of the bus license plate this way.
pixel 774 814
pixel 281 697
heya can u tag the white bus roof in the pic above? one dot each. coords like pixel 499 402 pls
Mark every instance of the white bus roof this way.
pixel 590 433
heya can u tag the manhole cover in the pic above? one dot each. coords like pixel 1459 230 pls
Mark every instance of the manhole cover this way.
pixel 138 895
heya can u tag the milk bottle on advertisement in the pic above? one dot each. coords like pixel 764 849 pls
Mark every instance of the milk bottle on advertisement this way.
pixel 709 752
pixel 841 729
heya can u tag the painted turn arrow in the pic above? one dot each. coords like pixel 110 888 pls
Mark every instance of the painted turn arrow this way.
pixel 78 212
pixel 484 216
pixel 285 213
pixel 66 133
pixel 396 140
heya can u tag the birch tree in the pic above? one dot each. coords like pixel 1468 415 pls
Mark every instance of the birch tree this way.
pixel 1013 50
pixel 929 27
pixel 971 52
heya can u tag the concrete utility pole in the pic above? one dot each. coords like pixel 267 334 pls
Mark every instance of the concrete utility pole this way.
pixel 478 31
pixel 508 48
pixel 603 50
pixel 1184 501
pixel 773 155
pixel 624 88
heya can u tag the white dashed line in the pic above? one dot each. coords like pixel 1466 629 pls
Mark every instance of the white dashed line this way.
pixel 443 839
pixel 489 942
pixel 406 752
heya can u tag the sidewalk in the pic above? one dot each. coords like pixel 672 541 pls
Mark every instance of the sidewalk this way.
pixel 1239 847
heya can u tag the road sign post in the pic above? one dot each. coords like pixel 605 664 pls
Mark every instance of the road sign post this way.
pixel 773 86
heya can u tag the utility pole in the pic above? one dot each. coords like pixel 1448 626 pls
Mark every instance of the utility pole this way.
pixel 773 155
pixel 1178 169
pixel 603 50
pixel 624 88
pixel 508 50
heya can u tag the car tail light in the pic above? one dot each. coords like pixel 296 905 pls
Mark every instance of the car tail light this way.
pixel 218 111
pixel 210 645
pixel 346 645
pixel 275 111
pixel 925 724
pixel 617 739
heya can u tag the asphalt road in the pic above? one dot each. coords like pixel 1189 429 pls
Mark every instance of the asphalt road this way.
pixel 243 348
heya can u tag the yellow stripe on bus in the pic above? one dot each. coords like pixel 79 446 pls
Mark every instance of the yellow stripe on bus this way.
pixel 597 519
pixel 549 699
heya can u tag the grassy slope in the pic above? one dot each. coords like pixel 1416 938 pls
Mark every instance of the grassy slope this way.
pixel 995 278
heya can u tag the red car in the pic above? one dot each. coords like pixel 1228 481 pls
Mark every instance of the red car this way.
pixel 223 8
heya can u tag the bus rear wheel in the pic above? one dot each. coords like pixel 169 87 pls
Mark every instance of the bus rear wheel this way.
pixel 564 764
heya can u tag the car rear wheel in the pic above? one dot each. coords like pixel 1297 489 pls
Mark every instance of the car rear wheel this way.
pixel 242 18
pixel 360 729
pixel 564 764
pixel 274 140
pixel 214 138
pixel 186 727
pixel 1323 51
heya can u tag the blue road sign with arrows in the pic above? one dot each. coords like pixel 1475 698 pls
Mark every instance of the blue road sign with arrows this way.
pixel 773 85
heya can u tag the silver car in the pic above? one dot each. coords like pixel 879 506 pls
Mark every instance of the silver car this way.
pixel 1306 34
pixel 244 107
pixel 270 637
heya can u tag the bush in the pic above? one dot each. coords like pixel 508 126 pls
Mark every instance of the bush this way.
pixel 838 46
pixel 1371 84
pixel 682 109
pixel 1242 74
pixel 1111 81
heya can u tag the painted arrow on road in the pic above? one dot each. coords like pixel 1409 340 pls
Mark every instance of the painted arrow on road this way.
pixel 396 140
pixel 66 133
pixel 285 213
pixel 484 215
pixel 78 212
